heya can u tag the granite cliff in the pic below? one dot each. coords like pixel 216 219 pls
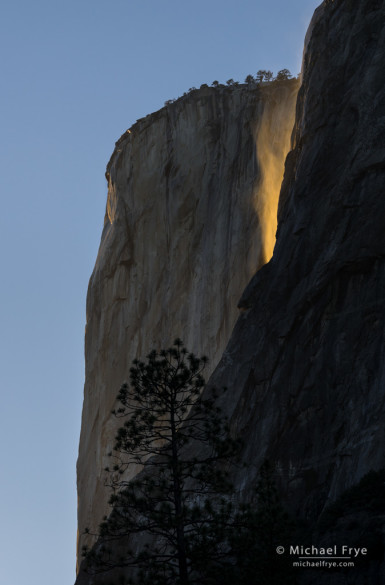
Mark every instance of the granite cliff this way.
pixel 191 215
pixel 307 352
pixel 306 358
pixel 305 362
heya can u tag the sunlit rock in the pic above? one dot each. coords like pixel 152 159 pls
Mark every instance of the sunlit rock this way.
pixel 191 215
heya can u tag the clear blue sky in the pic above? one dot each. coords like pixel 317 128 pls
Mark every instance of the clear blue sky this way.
pixel 74 76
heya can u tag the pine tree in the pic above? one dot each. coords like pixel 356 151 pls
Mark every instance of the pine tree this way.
pixel 262 527
pixel 171 523
pixel 283 74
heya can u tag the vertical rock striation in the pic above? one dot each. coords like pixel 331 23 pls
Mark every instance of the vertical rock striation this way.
pixel 190 217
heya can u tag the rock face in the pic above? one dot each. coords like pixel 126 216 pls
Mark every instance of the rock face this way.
pixel 306 359
pixel 191 215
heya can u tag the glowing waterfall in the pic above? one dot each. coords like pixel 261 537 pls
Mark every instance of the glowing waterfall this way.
pixel 273 139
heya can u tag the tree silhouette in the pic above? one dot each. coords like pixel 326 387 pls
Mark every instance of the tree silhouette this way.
pixel 262 527
pixel 264 75
pixel 171 523
pixel 283 74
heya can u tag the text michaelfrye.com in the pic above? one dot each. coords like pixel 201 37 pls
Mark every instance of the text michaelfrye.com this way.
pixel 325 557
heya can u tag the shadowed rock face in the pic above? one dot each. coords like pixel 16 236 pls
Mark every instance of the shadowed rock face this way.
pixel 306 359
pixel 187 224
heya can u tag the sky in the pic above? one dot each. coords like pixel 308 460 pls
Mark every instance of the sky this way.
pixel 74 76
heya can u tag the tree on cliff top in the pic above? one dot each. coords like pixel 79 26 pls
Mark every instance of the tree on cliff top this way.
pixel 264 75
pixel 283 74
pixel 249 79
pixel 178 510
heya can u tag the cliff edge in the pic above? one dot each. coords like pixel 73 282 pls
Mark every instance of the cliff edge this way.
pixel 191 215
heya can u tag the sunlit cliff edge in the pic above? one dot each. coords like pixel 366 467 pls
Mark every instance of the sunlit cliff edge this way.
pixel 191 215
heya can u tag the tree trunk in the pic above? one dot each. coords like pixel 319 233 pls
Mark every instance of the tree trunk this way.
pixel 181 544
